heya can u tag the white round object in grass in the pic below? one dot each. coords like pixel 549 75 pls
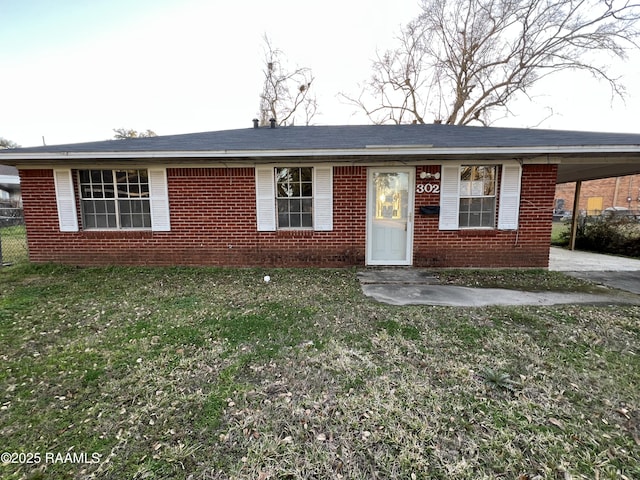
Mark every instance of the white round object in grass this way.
pixel 267 279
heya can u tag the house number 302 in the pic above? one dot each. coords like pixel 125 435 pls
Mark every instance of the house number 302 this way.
pixel 428 188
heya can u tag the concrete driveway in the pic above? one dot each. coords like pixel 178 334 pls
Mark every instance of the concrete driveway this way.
pixel 414 286
pixel 609 270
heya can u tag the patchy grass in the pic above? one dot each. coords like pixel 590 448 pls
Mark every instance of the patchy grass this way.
pixel 214 374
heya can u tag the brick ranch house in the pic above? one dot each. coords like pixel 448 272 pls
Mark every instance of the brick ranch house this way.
pixel 421 195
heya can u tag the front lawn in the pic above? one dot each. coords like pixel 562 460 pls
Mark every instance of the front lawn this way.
pixel 560 233
pixel 133 373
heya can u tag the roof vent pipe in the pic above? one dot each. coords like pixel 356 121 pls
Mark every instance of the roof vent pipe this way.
pixel 272 121
pixel 255 123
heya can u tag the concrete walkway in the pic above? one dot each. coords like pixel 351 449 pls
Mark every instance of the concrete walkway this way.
pixel 414 286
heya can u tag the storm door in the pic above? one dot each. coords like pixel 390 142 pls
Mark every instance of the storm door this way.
pixel 390 216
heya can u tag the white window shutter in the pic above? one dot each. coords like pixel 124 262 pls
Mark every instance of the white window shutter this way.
pixel 265 199
pixel 159 200
pixel 509 197
pixel 65 200
pixel 449 197
pixel 323 198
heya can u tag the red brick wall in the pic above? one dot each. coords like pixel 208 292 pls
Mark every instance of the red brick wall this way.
pixel 526 247
pixel 213 222
pixel 615 192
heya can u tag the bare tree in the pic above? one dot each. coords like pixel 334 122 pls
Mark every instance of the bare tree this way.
pixel 285 93
pixel 4 143
pixel 122 133
pixel 461 60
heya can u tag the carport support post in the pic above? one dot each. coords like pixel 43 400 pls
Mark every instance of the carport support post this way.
pixel 574 217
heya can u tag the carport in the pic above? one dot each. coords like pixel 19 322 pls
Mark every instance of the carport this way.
pixel 594 162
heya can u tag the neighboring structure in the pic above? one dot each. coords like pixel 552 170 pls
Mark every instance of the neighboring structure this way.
pixel 598 195
pixel 422 195
pixel 9 187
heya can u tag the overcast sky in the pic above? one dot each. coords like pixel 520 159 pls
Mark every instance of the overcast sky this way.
pixel 73 70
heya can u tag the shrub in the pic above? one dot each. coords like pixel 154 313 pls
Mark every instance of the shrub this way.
pixel 617 235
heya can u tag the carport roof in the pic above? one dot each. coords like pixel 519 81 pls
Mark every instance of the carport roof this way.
pixel 580 155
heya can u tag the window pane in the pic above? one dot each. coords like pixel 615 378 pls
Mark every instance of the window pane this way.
pixel 283 206
pixel 100 206
pixel 486 221
pixel 125 206
pixel 306 174
pixel 88 207
pixel 488 213
pixel 101 221
pixel 282 174
pixel 136 206
pixel 134 190
pixel 283 190
pixel 143 176
pixel 125 221
pixel 283 220
pixel 138 221
pixel 107 176
pixel 307 220
pixel 294 220
pixel 109 190
pixel 307 190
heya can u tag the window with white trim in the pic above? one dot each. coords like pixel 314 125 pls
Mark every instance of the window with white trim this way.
pixel 115 199
pixel 477 197
pixel 294 197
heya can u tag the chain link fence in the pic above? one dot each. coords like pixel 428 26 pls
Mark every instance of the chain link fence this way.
pixel 13 236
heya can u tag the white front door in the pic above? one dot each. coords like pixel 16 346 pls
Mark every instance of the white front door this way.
pixel 390 216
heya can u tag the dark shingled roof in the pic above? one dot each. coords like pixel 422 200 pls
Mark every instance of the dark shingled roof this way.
pixel 581 155
pixel 345 138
